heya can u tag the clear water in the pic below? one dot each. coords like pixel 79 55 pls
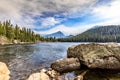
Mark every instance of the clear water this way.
pixel 28 58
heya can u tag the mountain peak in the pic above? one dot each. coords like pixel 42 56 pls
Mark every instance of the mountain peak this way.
pixel 57 34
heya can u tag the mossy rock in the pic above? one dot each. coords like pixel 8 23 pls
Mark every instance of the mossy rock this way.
pixel 94 55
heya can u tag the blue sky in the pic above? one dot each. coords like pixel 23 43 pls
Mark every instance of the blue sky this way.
pixel 69 16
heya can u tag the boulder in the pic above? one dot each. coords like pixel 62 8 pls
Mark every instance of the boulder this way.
pixel 39 76
pixel 4 72
pixel 94 55
pixel 44 74
pixel 52 73
pixel 66 65
pixel 43 70
pixel 15 41
pixel 3 40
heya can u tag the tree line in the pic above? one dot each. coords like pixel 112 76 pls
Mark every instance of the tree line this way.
pixel 109 33
pixel 17 33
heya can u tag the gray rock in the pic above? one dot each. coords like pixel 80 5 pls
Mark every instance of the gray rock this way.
pixel 52 73
pixel 39 76
pixel 94 55
pixel 66 65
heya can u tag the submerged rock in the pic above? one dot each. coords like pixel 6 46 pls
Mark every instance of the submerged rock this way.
pixel 4 72
pixel 93 55
pixel 65 65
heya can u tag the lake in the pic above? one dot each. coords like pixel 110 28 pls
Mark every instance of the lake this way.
pixel 28 58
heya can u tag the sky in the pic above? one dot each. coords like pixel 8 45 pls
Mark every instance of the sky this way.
pixel 69 16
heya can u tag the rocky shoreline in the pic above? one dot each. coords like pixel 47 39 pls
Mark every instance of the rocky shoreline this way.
pixel 92 61
pixel 85 58
pixel 5 41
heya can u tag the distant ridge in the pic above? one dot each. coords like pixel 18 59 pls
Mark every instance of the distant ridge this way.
pixel 109 33
pixel 58 34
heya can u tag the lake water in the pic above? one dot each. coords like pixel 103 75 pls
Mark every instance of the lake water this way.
pixel 28 58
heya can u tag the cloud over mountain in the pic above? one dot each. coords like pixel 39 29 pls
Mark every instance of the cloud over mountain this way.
pixel 25 12
pixel 46 15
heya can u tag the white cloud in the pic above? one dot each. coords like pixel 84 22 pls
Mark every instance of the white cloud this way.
pixel 8 10
pixel 103 15
pixel 67 30
pixel 12 10
pixel 110 14
pixel 22 12
pixel 49 21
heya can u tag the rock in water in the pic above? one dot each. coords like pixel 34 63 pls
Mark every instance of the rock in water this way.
pixel 79 78
pixel 39 76
pixel 52 73
pixel 66 65
pixel 4 72
pixel 94 55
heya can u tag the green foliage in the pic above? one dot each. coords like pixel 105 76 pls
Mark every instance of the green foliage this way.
pixel 15 33
pixel 110 33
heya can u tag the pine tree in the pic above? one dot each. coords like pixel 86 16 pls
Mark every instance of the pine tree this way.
pixel 17 32
pixel 14 32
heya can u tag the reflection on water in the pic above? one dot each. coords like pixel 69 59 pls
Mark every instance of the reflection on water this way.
pixel 28 58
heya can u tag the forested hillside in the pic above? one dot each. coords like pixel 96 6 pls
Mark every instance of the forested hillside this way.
pixel 110 33
pixel 15 33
